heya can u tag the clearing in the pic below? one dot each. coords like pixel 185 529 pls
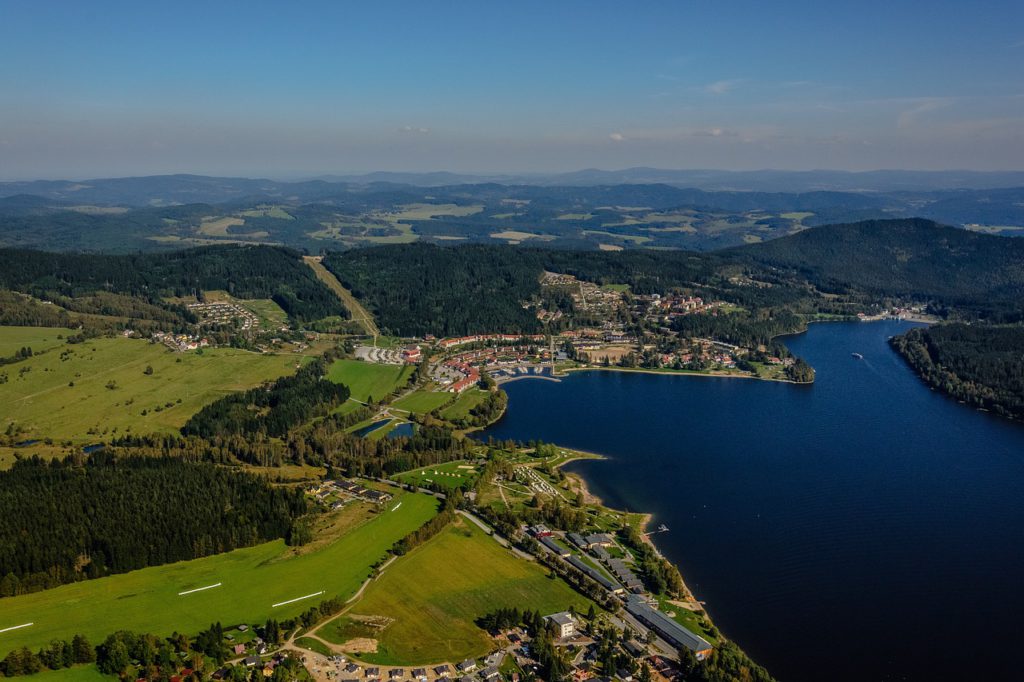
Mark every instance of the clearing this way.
pixel 449 475
pixel 37 338
pixel 359 314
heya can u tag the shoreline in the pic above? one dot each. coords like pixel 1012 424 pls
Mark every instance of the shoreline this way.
pixel 684 373
pixel 646 519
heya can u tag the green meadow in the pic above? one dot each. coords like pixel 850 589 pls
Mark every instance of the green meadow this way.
pixel 103 386
pixel 38 339
pixel 448 475
pixel 366 379
pixel 436 592
pixel 252 581
pixel 423 401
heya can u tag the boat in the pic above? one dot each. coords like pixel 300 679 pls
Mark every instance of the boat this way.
pixel 858 356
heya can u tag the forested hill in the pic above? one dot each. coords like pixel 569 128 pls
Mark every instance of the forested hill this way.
pixel 245 272
pixel 913 258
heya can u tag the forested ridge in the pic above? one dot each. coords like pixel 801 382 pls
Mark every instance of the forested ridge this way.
pixel 243 271
pixel 979 364
pixel 66 520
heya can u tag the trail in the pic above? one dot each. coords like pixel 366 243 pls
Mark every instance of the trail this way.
pixel 359 314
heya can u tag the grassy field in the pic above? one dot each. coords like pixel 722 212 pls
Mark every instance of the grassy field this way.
pixel 359 314
pixel 37 338
pixel 466 402
pixel 66 398
pixel 366 379
pixel 423 401
pixel 449 475
pixel 253 579
pixel 436 592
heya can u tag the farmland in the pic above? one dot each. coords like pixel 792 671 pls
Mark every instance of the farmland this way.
pixel 435 594
pixel 252 580
pixel 84 391
pixel 367 380
pixel 423 401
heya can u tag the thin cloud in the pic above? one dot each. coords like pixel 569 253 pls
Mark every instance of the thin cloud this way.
pixel 414 129
pixel 617 137
pixel 721 87
pixel 910 117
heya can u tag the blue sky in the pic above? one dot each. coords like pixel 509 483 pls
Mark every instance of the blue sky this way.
pixel 301 88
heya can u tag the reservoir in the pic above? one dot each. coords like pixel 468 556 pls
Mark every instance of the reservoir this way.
pixel 862 528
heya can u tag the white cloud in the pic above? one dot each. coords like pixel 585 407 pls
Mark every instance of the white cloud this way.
pixel 618 137
pixel 909 117
pixel 721 87
pixel 414 129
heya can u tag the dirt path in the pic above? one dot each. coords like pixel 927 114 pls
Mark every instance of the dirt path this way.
pixel 359 314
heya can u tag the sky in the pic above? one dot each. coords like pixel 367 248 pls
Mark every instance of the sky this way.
pixel 298 89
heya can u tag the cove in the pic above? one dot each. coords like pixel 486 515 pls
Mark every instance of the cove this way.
pixel 862 528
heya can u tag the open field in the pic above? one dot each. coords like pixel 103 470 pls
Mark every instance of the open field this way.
pixel 252 580
pixel 448 475
pixel 218 227
pixel 422 401
pixel 436 592
pixel 428 211
pixel 43 402
pixel 36 338
pixel 466 402
pixel 79 673
pixel 366 379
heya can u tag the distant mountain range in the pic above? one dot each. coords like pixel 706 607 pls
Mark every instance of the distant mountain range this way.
pixel 564 211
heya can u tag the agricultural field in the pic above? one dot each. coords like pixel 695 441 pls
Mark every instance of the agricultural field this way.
pixel 251 581
pixel 366 379
pixel 81 392
pixel 37 338
pixel 78 673
pixel 434 594
pixel 449 475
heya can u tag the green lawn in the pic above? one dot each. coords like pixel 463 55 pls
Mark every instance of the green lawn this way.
pixel 366 379
pixel 466 402
pixel 42 401
pixel 448 475
pixel 253 580
pixel 436 592
pixel 36 338
pixel 423 401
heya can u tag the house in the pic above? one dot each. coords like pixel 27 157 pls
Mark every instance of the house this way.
pixel 596 575
pixel 396 673
pixel 442 671
pixel 599 540
pixel 419 674
pixel 578 540
pixel 624 675
pixel 250 661
pixel 565 623
pixel 373 672
pixel 239 649
pixel 351 668
pixel 491 673
pixel 467 666
pixel 668 629
pixel 539 531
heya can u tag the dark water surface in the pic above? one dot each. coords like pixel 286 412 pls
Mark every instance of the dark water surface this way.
pixel 863 528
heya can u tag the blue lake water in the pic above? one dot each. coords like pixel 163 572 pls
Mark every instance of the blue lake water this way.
pixel 863 528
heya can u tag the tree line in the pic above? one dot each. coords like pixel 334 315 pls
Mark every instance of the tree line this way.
pixel 86 517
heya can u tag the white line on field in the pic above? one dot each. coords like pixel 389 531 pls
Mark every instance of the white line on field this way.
pixel 199 589
pixel 17 627
pixel 290 601
pixel 396 506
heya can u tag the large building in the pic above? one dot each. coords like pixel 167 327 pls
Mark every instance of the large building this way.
pixel 564 622
pixel 668 629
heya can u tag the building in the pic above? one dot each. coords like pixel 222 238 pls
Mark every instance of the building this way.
pixel 553 546
pixel 564 622
pixel 596 575
pixel 467 666
pixel 666 628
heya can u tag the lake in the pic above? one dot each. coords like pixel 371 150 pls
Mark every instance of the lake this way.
pixel 863 528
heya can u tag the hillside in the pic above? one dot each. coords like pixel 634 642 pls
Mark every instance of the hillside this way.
pixel 916 259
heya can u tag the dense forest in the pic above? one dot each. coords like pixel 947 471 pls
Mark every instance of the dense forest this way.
pixel 244 272
pixel 78 518
pixel 273 409
pixel 978 364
